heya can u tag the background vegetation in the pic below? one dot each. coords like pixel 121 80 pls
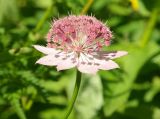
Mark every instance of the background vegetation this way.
pixel 29 91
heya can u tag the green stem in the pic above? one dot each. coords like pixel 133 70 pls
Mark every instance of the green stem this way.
pixel 74 96
pixel 41 22
pixel 86 7
pixel 150 26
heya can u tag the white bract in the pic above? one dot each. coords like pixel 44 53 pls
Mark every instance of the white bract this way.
pixel 85 62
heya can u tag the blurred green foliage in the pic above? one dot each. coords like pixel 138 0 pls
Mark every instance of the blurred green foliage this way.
pixel 29 91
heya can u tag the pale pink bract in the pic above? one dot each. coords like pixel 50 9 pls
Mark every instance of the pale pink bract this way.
pixel 76 41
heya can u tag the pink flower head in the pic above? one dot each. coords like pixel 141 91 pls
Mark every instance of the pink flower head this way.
pixel 76 41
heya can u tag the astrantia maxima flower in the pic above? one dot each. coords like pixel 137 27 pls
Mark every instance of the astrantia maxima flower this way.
pixel 76 41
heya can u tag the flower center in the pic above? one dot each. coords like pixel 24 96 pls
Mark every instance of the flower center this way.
pixel 78 33
pixel 78 49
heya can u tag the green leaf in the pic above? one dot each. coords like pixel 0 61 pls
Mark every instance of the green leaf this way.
pixel 155 89
pixel 5 57
pixel 17 106
pixel 117 91
pixel 119 10
pixel 8 11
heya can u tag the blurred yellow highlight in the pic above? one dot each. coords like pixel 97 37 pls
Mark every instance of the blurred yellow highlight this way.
pixel 135 5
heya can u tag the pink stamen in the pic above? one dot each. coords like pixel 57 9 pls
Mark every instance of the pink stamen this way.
pixel 66 33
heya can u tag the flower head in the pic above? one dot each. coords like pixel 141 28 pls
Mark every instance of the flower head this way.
pixel 76 41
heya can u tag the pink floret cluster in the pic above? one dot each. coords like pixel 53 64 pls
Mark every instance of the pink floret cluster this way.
pixel 67 27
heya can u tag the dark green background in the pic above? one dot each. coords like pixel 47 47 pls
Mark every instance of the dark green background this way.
pixel 31 91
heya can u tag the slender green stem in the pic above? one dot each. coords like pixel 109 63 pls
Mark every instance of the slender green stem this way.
pixel 149 28
pixel 74 96
pixel 45 16
pixel 86 7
